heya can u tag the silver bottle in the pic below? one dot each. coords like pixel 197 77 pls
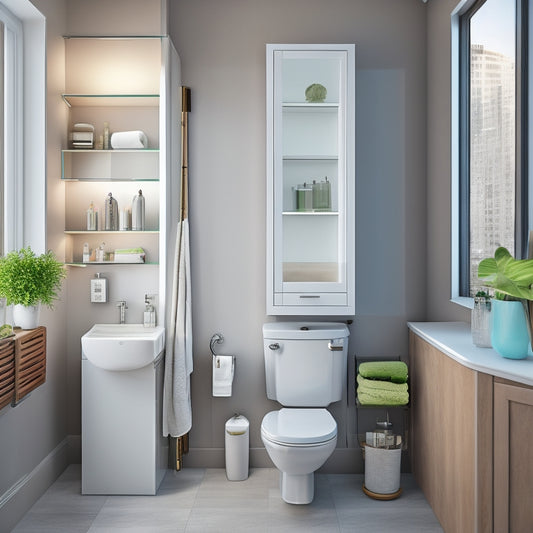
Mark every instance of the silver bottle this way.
pixel 137 212
pixel 111 213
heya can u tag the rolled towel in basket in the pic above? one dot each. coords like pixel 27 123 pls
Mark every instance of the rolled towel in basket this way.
pixel 128 140
pixel 395 371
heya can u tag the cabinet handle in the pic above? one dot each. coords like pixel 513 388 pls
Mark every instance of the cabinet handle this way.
pixel 309 296
pixel 335 347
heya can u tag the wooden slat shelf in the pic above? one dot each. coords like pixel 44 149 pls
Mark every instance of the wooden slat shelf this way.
pixel 30 361
pixel 22 364
pixel 7 371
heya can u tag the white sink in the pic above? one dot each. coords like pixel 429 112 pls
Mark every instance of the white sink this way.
pixel 122 346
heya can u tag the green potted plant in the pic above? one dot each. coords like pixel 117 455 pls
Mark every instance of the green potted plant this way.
pixel 27 281
pixel 512 280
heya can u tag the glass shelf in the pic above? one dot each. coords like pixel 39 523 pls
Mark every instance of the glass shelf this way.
pixel 310 157
pixel 310 213
pixel 108 232
pixel 99 263
pixel 105 100
pixel 110 165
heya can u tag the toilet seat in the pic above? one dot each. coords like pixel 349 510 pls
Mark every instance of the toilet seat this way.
pixel 299 427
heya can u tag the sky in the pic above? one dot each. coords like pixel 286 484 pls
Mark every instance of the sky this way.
pixel 493 26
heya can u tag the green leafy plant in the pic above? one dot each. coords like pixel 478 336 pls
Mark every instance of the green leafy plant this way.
pixel 28 279
pixel 510 277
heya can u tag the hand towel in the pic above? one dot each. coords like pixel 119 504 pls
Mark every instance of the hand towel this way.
pixel 382 397
pixel 368 385
pixel 395 371
pixel 128 140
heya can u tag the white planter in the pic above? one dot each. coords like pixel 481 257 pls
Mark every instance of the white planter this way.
pixel 26 317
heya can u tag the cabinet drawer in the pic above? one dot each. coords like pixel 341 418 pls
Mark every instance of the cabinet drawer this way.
pixel 314 299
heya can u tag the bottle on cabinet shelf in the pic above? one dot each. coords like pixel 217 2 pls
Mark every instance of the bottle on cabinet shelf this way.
pixel 137 212
pixel 92 218
pixel 111 214
pixel 106 136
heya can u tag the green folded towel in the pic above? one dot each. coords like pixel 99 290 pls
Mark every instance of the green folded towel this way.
pixel 395 371
pixel 129 251
pixel 369 385
pixel 383 398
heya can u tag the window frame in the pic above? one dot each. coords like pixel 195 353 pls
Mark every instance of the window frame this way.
pixel 460 238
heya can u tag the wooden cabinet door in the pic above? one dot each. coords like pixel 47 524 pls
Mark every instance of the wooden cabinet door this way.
pixel 513 458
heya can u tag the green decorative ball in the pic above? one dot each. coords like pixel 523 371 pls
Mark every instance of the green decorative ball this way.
pixel 315 93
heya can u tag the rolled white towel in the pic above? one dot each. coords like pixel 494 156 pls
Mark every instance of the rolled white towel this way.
pixel 128 140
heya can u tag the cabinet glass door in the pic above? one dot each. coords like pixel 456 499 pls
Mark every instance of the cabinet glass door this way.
pixel 312 176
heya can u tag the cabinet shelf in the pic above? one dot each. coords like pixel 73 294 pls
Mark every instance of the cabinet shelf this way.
pixel 310 157
pixel 108 232
pixel 310 213
pixel 110 165
pixel 106 100
pixel 99 263
pixel 309 105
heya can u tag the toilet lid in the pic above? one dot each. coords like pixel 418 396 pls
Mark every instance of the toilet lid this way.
pixel 299 426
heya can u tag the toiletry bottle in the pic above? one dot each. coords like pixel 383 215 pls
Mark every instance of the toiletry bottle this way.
pixel 137 212
pixel 106 135
pixel 86 253
pixel 149 312
pixel 91 218
pixel 100 254
pixel 111 214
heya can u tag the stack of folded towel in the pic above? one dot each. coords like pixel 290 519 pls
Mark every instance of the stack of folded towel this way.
pixel 382 383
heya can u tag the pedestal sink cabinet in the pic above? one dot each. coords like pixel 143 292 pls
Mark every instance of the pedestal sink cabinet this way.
pixel 310 179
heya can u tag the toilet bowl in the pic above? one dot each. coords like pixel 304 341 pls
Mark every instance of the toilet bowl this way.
pixel 305 371
pixel 298 441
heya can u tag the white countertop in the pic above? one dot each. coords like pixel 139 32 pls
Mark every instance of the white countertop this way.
pixel 455 340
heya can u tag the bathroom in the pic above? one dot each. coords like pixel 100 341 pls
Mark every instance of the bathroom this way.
pixel 402 209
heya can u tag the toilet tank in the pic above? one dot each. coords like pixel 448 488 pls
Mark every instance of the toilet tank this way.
pixel 305 362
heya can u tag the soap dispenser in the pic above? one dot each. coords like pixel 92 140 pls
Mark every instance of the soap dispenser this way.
pixel 149 312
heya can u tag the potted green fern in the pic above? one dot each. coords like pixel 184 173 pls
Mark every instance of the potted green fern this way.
pixel 512 306
pixel 27 281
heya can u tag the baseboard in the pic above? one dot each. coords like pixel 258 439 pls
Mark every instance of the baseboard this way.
pixel 18 499
pixel 342 461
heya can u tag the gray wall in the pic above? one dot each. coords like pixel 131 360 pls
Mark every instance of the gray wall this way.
pixel 222 50
pixel 439 165
pixel 33 435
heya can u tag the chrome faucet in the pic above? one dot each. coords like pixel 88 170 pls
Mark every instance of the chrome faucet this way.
pixel 122 308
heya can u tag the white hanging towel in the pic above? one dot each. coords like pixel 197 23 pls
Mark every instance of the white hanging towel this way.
pixel 177 411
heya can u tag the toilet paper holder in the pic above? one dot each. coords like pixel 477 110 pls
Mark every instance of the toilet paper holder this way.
pixel 217 338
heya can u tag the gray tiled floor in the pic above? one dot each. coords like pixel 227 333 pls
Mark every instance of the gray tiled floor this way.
pixel 203 500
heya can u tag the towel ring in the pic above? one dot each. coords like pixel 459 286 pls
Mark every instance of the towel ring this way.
pixel 217 338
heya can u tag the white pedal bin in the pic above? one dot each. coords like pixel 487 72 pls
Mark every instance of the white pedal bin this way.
pixel 237 448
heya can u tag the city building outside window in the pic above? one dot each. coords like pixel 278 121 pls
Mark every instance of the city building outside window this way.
pixel 492 177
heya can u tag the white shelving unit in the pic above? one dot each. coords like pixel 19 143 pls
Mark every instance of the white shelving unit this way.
pixel 311 249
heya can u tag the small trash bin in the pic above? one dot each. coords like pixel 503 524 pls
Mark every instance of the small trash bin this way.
pixel 237 448
pixel 382 472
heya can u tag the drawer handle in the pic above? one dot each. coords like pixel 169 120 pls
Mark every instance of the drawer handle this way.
pixel 309 296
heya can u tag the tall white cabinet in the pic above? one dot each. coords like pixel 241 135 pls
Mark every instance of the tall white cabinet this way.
pixel 310 179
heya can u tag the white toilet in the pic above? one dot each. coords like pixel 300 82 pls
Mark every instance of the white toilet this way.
pixel 305 366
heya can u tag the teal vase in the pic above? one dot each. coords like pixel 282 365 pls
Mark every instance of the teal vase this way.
pixel 509 334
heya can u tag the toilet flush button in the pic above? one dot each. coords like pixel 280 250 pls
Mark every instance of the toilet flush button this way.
pixel 274 346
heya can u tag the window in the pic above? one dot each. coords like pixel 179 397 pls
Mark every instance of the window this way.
pixel 22 126
pixel 491 135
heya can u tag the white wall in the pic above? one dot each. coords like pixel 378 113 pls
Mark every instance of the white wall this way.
pixel 222 50
pixel 33 446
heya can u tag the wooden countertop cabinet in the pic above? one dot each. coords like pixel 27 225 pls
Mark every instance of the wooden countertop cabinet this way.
pixel 471 444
